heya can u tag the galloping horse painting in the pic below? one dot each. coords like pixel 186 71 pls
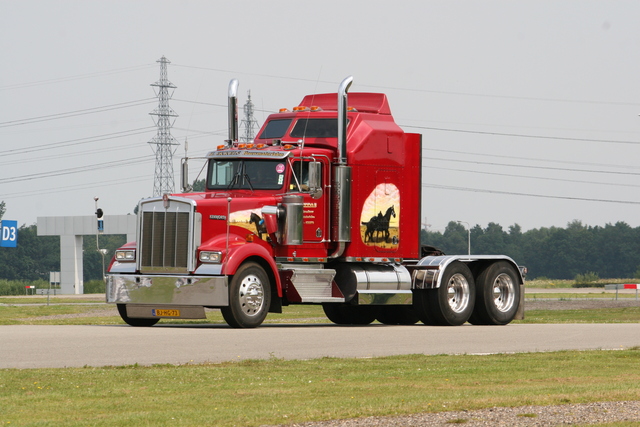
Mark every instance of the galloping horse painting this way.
pixel 380 219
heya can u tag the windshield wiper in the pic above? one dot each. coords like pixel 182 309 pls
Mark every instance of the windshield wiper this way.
pixel 236 177
pixel 240 174
pixel 246 176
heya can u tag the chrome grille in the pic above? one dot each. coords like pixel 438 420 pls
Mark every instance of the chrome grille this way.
pixel 165 241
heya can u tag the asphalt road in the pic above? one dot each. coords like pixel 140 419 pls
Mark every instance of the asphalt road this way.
pixel 26 346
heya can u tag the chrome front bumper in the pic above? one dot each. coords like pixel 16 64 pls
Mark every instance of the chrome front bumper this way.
pixel 207 291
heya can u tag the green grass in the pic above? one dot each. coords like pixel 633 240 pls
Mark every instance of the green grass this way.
pixel 105 314
pixel 600 315
pixel 57 313
pixel 252 393
pixel 52 300
pixel 532 296
pixel 560 283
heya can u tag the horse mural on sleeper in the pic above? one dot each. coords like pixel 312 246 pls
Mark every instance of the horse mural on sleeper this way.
pixel 380 222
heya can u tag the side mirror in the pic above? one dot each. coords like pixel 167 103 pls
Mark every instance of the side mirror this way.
pixel 315 179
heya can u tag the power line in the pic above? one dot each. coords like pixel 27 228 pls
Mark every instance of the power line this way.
pixel 75 113
pixel 101 150
pixel 79 141
pixel 529 158
pixel 534 177
pixel 511 193
pixel 76 77
pixel 533 167
pixel 414 90
pixel 212 104
pixel 67 171
pixel 101 183
pixel 562 138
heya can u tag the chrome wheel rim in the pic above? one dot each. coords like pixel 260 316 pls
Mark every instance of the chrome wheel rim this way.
pixel 458 292
pixel 504 292
pixel 251 295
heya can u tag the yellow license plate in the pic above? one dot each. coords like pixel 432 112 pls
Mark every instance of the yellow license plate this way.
pixel 165 313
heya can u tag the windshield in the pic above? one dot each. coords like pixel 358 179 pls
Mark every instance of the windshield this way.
pixel 246 174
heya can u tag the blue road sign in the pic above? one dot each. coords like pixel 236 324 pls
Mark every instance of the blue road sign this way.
pixel 9 234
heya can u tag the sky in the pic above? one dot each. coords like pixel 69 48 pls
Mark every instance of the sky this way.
pixel 528 109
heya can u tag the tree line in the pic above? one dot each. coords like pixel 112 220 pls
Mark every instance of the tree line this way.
pixel 612 251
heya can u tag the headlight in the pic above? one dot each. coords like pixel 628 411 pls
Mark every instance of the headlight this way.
pixel 125 256
pixel 206 256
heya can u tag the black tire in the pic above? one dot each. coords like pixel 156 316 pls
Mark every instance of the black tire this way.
pixel 249 297
pixel 421 306
pixel 345 314
pixel 133 321
pixel 397 315
pixel 452 303
pixel 498 295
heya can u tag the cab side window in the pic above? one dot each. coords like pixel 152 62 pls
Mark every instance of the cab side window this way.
pixel 300 179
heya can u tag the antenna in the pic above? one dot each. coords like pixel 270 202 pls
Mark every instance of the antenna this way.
pixel 163 178
pixel 249 124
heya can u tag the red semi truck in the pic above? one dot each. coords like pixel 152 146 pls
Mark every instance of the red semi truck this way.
pixel 322 208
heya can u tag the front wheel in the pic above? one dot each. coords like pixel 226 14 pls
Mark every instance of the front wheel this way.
pixel 452 303
pixel 134 321
pixel 249 297
pixel 498 295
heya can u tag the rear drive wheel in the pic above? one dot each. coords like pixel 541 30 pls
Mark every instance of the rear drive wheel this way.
pixel 249 297
pixel 134 321
pixel 397 315
pixel 345 314
pixel 498 295
pixel 452 303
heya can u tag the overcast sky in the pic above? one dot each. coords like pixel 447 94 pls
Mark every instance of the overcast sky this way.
pixel 528 109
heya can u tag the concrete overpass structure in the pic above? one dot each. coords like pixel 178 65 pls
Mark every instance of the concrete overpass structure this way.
pixel 71 230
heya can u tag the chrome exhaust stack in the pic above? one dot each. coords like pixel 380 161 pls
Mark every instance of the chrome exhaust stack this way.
pixel 341 229
pixel 342 119
pixel 233 112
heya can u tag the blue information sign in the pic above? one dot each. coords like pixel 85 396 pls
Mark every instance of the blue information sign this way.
pixel 9 234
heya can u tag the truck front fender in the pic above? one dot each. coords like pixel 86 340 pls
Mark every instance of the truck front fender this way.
pixel 238 254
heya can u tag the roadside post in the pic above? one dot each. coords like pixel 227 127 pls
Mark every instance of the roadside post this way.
pixel 54 279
